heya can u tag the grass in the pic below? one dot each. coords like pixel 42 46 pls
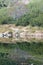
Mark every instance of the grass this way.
pixel 5 28
pixel 6 48
pixel 28 47
pixel 3 14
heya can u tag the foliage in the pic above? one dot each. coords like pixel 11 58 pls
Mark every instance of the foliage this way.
pixel 5 61
pixel 35 15
pixel 33 47
pixel 6 48
pixel 4 18
pixel 3 3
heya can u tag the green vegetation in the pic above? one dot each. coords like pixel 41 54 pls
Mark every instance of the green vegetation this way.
pixel 34 49
pixel 6 48
pixel 35 62
pixel 3 16
pixel 33 17
pixel 4 61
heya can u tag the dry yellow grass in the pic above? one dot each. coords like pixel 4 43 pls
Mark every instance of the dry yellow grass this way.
pixel 21 29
